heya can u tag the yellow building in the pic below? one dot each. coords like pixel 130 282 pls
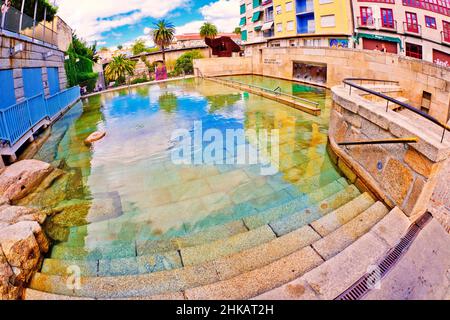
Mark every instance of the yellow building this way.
pixel 317 22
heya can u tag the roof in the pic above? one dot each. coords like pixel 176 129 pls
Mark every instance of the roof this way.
pixel 196 36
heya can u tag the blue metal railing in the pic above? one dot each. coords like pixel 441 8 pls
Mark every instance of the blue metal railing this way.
pixel 18 119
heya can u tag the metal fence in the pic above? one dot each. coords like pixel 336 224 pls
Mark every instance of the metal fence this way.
pixel 18 119
pixel 18 23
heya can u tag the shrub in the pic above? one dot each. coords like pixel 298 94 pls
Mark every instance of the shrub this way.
pixel 139 80
pixel 185 63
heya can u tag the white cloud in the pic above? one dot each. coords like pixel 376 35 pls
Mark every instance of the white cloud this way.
pixel 223 13
pixel 92 17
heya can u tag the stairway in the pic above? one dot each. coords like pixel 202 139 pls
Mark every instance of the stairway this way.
pixel 243 258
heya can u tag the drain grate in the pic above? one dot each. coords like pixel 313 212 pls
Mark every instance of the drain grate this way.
pixel 368 282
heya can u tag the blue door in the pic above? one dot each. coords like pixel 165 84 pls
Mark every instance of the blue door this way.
pixel 32 82
pixel 7 93
pixel 53 80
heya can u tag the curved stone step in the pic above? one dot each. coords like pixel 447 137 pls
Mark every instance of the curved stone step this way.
pixel 229 227
pixel 287 250
pixel 337 274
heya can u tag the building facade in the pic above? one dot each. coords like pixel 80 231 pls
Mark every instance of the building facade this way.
pixel 415 28
pixel 297 22
pixel 195 40
pixel 257 20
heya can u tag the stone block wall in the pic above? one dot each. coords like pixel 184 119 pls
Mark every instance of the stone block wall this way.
pixel 416 75
pixel 403 176
pixel 33 56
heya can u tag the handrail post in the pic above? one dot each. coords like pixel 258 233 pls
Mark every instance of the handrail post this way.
pixel 443 135
pixel 6 128
pixel 34 20
pixel 21 16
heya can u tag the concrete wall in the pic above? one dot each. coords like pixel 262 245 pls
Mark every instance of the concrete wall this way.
pixel 402 176
pixel 33 56
pixel 415 75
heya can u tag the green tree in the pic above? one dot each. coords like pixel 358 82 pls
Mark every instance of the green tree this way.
pixel 120 47
pixel 237 31
pixel 185 63
pixel 119 68
pixel 139 47
pixel 163 35
pixel 208 30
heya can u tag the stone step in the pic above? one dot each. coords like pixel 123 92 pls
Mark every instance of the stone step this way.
pixel 260 268
pixel 341 271
pixel 331 222
pixel 288 223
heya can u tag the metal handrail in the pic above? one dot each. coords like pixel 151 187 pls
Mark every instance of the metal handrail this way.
pixel 315 104
pixel 349 82
pixel 384 141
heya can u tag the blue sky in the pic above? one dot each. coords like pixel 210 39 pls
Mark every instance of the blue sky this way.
pixel 111 23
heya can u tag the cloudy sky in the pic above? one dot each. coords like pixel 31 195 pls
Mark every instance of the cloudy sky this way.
pixel 121 22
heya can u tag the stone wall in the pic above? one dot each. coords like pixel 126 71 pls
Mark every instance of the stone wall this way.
pixel 403 176
pixel 33 56
pixel 416 75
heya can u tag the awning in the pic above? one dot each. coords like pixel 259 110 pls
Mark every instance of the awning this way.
pixel 256 16
pixel 377 37
pixel 243 21
pixel 267 26
pixel 258 28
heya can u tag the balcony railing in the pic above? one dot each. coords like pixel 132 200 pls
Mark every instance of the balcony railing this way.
pixel 18 119
pixel 368 23
pixel 18 23
pixel 445 37
pixel 412 28
pixel 387 25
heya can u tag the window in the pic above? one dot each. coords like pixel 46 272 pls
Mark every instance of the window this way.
pixel 430 22
pixel 411 22
pixel 325 1
pixel 438 6
pixel 279 10
pixel 243 9
pixel 446 31
pixel 387 18
pixel 279 27
pixel 366 16
pixel 256 3
pixel 290 26
pixel 328 21
pixel 288 6
pixel 413 50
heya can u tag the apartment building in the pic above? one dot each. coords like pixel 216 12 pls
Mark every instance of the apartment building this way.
pixel 257 20
pixel 300 22
pixel 415 28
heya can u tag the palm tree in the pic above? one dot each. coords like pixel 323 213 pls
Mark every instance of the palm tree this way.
pixel 208 31
pixel 163 35
pixel 119 68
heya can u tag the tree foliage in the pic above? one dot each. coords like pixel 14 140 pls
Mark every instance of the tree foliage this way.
pixel 119 68
pixel 139 47
pixel 185 63
pixel 163 34
pixel 208 30
pixel 42 5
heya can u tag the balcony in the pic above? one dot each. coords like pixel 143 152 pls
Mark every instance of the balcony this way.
pixel 445 37
pixel 266 3
pixel 387 25
pixel 17 24
pixel 367 23
pixel 412 29
pixel 304 7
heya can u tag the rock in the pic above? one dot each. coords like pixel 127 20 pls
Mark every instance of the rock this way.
pixel 21 250
pixel 7 290
pixel 21 178
pixel 12 215
pixel 3 200
pixel 98 135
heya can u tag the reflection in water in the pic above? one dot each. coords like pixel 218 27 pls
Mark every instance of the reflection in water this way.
pixel 126 188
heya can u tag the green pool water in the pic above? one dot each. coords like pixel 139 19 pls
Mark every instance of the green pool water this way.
pixel 126 187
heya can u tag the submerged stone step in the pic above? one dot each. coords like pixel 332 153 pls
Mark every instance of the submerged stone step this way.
pixel 292 222
pixel 210 251
pixel 125 250
pixel 340 239
pixel 296 205
pixel 331 222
